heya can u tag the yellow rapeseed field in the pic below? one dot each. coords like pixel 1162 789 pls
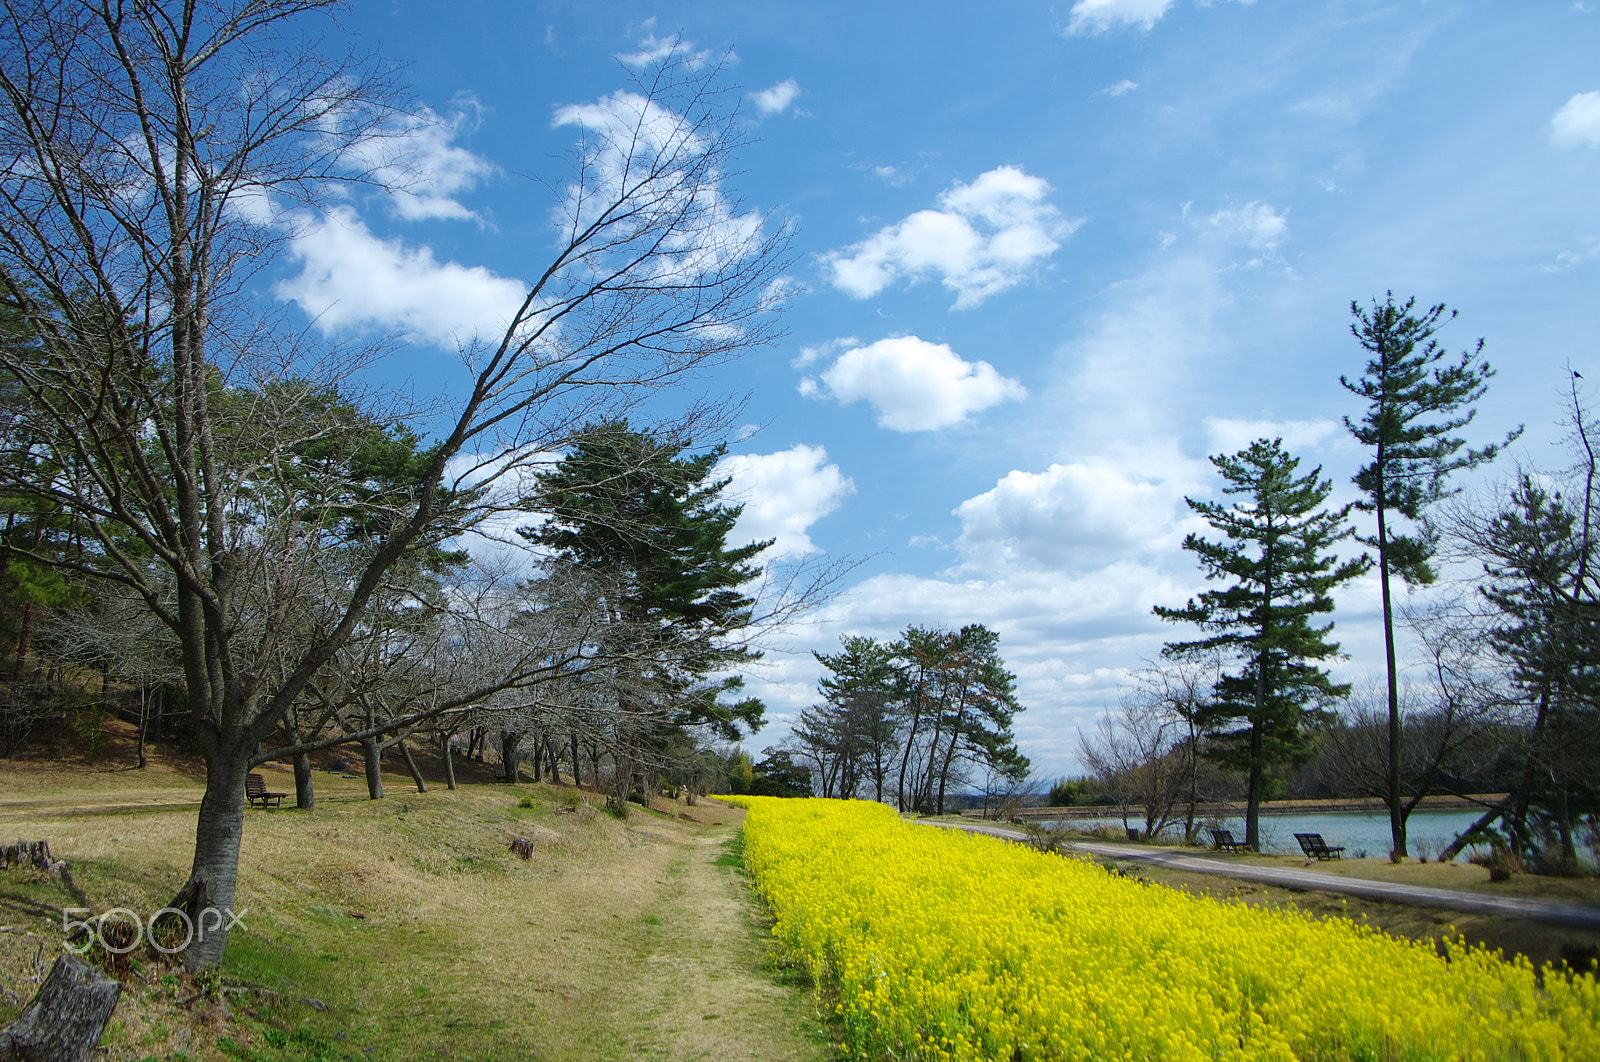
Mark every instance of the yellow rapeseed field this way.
pixel 937 944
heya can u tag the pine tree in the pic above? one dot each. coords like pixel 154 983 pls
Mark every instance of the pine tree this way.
pixel 1416 402
pixel 1275 553
pixel 648 521
pixel 1545 625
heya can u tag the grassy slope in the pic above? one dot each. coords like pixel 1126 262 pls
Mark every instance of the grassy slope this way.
pixel 411 923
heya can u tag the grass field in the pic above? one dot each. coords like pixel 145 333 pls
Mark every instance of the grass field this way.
pixel 405 929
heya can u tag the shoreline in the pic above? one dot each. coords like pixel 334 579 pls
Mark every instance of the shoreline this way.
pixel 1232 810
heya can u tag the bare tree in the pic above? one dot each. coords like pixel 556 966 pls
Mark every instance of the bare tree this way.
pixel 1138 756
pixel 1445 718
pixel 147 151
pixel 116 634
pixel 1177 693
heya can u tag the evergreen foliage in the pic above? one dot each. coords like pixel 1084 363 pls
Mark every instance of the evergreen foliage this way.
pixel 1275 556
pixel 645 516
pixel 1417 399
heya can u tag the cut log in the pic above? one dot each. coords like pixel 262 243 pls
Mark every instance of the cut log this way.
pixel 29 853
pixel 64 1021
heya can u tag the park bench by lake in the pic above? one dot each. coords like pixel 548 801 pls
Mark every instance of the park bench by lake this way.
pixel 1223 839
pixel 1315 847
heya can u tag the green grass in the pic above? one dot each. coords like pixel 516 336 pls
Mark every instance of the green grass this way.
pixel 734 856
pixel 464 951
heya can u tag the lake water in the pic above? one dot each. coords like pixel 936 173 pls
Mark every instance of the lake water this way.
pixel 1359 832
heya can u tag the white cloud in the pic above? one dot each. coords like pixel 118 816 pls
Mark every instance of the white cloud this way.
pixel 1257 225
pixel 508 478
pixel 631 132
pixel 783 494
pixel 1083 514
pixel 915 385
pixel 776 100
pixel 1229 436
pixel 1100 16
pixel 1022 229
pixel 1577 123
pixel 1120 88
pixel 351 280
pixel 1566 260
pixel 653 49
pixel 416 159
pixel 813 354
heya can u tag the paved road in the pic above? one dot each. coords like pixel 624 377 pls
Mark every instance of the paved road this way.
pixel 1572 916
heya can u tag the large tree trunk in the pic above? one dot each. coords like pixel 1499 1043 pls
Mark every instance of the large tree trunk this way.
pixel 1252 807
pixel 617 802
pixel 372 757
pixel 411 765
pixel 207 897
pixel 24 630
pixel 1394 796
pixel 508 754
pixel 577 772
pixel 64 1020
pixel 144 721
pixel 449 762
pixel 305 794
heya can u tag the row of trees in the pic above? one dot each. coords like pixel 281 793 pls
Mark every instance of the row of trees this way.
pixel 288 532
pixel 1510 661
pixel 911 720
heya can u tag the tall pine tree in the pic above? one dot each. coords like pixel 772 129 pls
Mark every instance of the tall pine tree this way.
pixel 1276 559
pixel 647 519
pixel 1416 402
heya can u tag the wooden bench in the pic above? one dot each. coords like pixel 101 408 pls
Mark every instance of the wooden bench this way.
pixel 1223 839
pixel 255 790
pixel 1315 847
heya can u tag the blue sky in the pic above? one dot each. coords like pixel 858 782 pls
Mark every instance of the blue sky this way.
pixel 1050 257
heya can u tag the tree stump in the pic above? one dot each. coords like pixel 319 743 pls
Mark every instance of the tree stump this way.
pixel 523 846
pixel 64 1020
pixel 29 853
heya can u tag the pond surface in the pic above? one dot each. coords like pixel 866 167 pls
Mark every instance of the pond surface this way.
pixel 1361 833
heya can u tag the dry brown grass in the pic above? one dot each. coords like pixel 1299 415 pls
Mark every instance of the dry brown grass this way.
pixel 422 933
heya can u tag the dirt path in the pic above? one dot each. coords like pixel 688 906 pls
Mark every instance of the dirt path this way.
pixel 1566 915
pixel 705 993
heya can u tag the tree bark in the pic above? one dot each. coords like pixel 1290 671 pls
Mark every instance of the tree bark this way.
pixel 508 754
pixel 449 762
pixel 411 765
pixel 1395 796
pixel 207 897
pixel 372 757
pixel 65 1018
pixel 24 630
pixel 305 793
pixel 1252 807
pixel 1454 848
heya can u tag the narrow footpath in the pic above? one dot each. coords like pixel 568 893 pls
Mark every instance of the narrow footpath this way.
pixel 1567 915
